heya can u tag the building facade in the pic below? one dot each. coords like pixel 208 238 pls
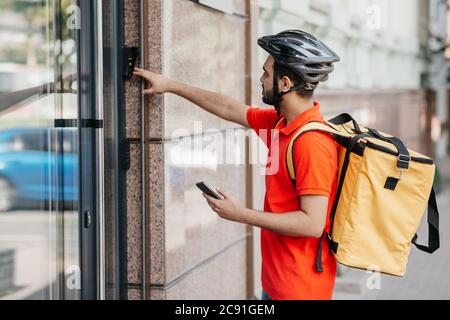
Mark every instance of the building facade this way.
pixel 98 187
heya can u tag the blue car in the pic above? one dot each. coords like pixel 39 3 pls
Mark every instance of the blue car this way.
pixel 38 165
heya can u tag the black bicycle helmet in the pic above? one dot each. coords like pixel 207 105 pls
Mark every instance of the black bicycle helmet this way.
pixel 309 58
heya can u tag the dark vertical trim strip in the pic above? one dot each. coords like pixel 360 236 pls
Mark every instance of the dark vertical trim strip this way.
pixel 59 177
pixel 143 157
pixel 112 29
pixel 87 149
pixel 79 101
pixel 120 140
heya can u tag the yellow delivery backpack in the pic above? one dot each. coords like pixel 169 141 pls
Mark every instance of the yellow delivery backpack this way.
pixel 382 194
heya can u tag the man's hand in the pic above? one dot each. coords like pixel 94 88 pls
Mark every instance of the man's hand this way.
pixel 156 83
pixel 227 208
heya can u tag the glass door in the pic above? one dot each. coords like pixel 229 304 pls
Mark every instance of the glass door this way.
pixel 42 216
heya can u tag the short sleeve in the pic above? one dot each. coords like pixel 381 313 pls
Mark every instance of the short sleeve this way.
pixel 262 121
pixel 259 118
pixel 316 163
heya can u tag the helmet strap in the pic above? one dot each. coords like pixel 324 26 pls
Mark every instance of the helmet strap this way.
pixel 276 94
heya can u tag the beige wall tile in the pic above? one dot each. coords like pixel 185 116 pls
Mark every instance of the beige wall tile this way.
pixel 153 57
pixel 221 278
pixel 134 294
pixel 132 87
pixel 156 213
pixel 205 48
pixel 156 294
pixel 134 212
pixel 193 232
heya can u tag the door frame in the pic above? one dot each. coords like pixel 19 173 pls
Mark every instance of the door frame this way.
pixel 92 148
pixel 87 162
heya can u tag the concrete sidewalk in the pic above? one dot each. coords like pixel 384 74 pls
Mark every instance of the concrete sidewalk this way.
pixel 427 275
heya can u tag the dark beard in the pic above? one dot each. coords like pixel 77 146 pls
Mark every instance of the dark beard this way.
pixel 268 99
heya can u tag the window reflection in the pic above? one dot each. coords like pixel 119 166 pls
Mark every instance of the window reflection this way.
pixel 39 241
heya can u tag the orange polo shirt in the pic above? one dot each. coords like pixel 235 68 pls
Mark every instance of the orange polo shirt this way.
pixel 288 263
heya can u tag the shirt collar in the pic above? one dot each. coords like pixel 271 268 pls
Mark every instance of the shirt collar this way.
pixel 311 114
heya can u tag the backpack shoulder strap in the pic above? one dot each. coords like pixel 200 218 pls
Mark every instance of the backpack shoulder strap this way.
pixel 433 226
pixel 310 126
pixel 279 121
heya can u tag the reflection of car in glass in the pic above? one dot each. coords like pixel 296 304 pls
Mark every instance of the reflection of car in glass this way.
pixel 37 165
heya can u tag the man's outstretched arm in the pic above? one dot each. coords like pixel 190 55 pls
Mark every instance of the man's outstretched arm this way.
pixel 222 106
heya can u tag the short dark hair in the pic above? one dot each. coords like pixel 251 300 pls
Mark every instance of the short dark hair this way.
pixel 284 71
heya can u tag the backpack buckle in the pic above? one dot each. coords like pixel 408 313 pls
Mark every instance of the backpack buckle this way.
pixel 403 161
pixel 404 158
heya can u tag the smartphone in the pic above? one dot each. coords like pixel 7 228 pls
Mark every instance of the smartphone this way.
pixel 202 186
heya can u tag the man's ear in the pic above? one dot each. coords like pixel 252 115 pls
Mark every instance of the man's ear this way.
pixel 285 84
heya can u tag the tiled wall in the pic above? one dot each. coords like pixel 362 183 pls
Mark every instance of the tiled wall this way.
pixel 133 175
pixel 192 253
pixel 201 256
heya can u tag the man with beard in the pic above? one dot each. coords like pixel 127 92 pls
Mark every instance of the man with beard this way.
pixel 296 213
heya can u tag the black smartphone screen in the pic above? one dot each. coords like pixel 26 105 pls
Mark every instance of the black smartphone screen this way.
pixel 202 186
